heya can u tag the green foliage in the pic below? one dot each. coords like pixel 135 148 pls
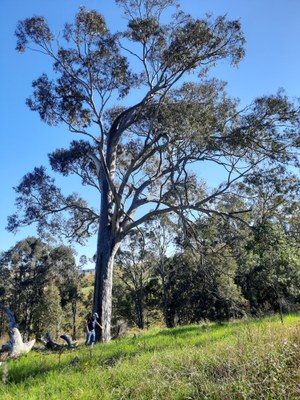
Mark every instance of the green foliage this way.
pixel 48 313
pixel 270 270
pixel 134 275
pixel 222 269
pixel 42 284
pixel 250 359
pixel 203 288
pixel 35 29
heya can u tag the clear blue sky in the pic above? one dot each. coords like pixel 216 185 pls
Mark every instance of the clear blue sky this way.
pixel 272 30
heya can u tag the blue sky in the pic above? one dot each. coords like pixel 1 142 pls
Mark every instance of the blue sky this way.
pixel 271 28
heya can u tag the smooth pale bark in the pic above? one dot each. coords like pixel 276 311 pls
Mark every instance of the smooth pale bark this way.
pixel 103 285
pixel 20 347
pixel 16 346
pixel 107 247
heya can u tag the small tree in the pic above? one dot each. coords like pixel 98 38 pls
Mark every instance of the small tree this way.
pixel 270 270
pixel 48 312
pixel 66 276
pixel 135 269
pixel 138 157
pixel 202 284
pixel 28 264
pixel 41 281
pixel 161 240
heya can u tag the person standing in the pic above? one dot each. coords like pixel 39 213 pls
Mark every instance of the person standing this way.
pixel 91 329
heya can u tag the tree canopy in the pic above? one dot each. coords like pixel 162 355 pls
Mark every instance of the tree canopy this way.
pixel 146 131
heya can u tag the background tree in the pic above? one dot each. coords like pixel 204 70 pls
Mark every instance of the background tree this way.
pixel 135 269
pixel 139 157
pixel 272 194
pixel 48 313
pixel 161 242
pixel 269 257
pixel 41 283
pixel 28 264
pixel 269 273
pixel 203 283
pixel 5 288
pixel 68 281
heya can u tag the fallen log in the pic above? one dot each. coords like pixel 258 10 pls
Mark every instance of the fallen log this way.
pixel 51 344
pixel 20 347
pixel 43 341
pixel 68 339
pixel 15 347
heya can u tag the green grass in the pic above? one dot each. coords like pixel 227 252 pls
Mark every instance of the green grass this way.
pixel 257 359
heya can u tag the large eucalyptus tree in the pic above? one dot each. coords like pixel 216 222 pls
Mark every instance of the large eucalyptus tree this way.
pixel 143 126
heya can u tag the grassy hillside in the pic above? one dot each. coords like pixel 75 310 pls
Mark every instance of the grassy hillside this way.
pixel 241 360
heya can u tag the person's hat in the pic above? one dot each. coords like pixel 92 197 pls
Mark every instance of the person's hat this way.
pixel 95 315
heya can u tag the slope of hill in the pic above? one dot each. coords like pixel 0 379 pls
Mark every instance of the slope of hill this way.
pixel 257 359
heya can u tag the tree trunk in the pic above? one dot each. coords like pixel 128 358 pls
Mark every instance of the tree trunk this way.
pixel 103 287
pixel 107 247
pixel 139 309
pixel 74 313
pixel 169 321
